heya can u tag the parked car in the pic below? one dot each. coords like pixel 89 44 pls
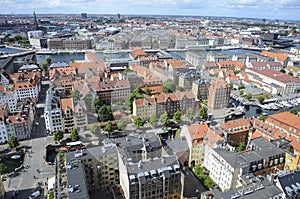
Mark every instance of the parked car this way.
pixel 34 194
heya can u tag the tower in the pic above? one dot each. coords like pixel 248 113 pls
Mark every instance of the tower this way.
pixel 36 26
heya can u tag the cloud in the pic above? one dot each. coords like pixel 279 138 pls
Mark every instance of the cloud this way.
pixel 238 8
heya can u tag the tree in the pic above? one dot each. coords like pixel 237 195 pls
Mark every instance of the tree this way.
pixel 3 169
pixel 241 87
pixel 241 92
pixel 241 147
pixel 261 99
pixel 121 124
pixel 248 96
pixel 282 70
pixel 48 60
pixel 51 195
pixel 136 94
pixel 236 71
pixel 203 112
pixel 13 142
pixel 105 114
pixel 108 126
pixel 95 129
pixel 96 104
pixel 164 118
pixel 262 118
pixel 178 117
pixel 127 70
pixel 231 85
pixel 294 111
pixel 58 135
pixel 291 73
pixel 147 90
pixel 190 114
pixel 74 135
pixel 72 60
pixel 44 65
pixel 179 88
pixel 169 86
pixel 75 95
pixel 153 120
pixel 138 122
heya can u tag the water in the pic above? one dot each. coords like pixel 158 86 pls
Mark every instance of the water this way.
pixel 64 57
pixel 11 50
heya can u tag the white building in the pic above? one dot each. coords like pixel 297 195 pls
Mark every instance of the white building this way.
pixel 52 112
pixel 26 90
pixel 10 98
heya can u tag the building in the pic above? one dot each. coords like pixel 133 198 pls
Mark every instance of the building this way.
pixel 200 89
pixel 112 91
pixel 76 44
pixel 274 82
pixel 52 112
pixel 99 166
pixel 277 57
pixel 262 65
pixel 134 80
pixel 289 184
pixel 218 94
pixel 237 131
pixel 231 65
pixel 194 135
pixel 156 178
pixel 186 79
pixel 194 58
pixel 144 107
pixel 8 97
pixel 67 108
pixel 80 115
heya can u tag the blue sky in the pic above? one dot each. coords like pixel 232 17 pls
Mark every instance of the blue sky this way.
pixel 270 9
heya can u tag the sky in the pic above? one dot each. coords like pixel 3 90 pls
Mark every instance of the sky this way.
pixel 267 9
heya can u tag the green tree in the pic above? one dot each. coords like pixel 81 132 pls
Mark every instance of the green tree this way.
pixel 105 114
pixel 121 124
pixel 262 118
pixel 74 135
pixel 127 70
pixel 44 65
pixel 48 60
pixel 294 111
pixel 236 71
pixel 190 114
pixel 138 122
pixel 95 129
pixel 58 135
pixel 261 99
pixel 178 117
pixel 164 118
pixel 75 95
pixel 96 104
pixel 3 169
pixel 13 142
pixel 18 38
pixel 241 87
pixel 241 147
pixel 241 92
pixel 51 195
pixel 179 88
pixel 231 85
pixel 136 94
pixel 72 60
pixel 108 126
pixel 153 120
pixel 282 70
pixel 248 96
pixel 169 86
pixel 147 90
pixel 291 73
pixel 203 112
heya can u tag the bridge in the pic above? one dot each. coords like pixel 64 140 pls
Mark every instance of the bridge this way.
pixel 21 54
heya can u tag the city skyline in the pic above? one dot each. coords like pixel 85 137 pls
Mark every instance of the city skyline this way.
pixel 283 9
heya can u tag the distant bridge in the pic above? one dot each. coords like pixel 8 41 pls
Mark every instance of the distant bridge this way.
pixel 21 54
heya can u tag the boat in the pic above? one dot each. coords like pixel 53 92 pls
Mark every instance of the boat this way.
pixel 2 46
pixel 279 105
pixel 14 157
pixel 265 114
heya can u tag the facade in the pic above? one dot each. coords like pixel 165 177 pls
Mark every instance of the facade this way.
pixel 194 135
pixel 273 81
pixel 52 112
pixel 288 183
pixel 58 43
pixel 10 98
pixel 186 79
pixel 67 108
pixel 158 178
pixel 200 89
pixel 143 108
pixel 80 115
pixel 218 94
pixel 112 91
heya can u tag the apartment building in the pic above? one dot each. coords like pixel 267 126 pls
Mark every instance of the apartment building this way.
pixel 3 116
pixel 143 108
pixel 186 79
pixel 226 166
pixel 8 97
pixel 288 183
pixel 231 65
pixel 52 112
pixel 273 81
pixel 67 108
pixel 218 94
pixel 99 165
pixel 200 89
pixel 112 91
pixel 278 57
pixel 194 135
pixel 80 115
pixel 262 65
pixel 237 131
pixel 156 178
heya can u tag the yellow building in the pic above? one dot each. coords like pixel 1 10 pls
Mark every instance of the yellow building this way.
pixel 143 108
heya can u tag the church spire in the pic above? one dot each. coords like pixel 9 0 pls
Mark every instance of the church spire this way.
pixel 36 26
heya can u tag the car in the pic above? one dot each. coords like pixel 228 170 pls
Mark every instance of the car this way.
pixel 36 123
pixel 34 194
